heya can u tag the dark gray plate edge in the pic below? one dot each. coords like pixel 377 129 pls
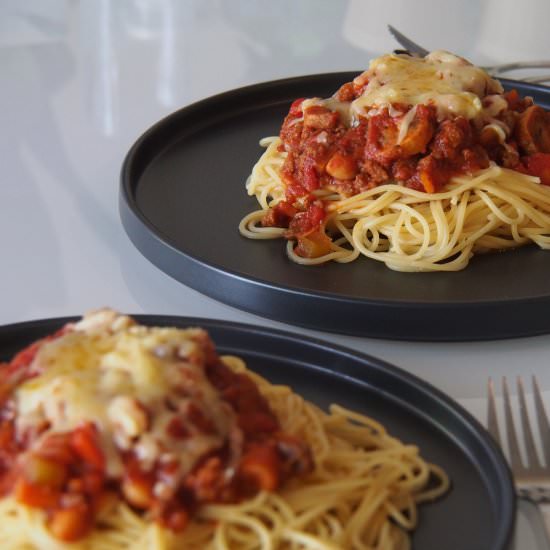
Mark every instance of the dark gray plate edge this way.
pixel 398 320
pixel 416 321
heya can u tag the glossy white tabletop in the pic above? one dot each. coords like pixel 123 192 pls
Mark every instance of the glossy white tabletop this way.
pixel 81 80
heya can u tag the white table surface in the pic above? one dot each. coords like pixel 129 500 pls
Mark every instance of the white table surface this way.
pixel 81 80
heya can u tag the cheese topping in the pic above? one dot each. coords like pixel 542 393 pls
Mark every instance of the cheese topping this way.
pixel 133 381
pixel 450 83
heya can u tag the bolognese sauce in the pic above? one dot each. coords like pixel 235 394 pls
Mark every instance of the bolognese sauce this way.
pixel 107 410
pixel 417 122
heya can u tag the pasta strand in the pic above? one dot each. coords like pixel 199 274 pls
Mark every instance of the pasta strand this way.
pixel 411 230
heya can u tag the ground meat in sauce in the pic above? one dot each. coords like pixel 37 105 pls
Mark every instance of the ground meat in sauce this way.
pixel 65 473
pixel 324 153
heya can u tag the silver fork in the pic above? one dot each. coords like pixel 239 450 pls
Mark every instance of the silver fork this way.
pixel 494 70
pixel 532 477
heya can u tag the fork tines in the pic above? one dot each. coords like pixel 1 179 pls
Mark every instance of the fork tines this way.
pixel 533 465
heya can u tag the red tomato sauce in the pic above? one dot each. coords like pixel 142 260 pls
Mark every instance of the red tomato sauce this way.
pixel 65 474
pixel 323 152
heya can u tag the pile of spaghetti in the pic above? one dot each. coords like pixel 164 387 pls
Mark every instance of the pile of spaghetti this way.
pixel 115 435
pixel 418 163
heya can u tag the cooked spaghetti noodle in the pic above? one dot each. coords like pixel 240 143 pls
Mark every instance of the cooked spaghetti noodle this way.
pixel 411 230
pixel 362 492
pixel 418 180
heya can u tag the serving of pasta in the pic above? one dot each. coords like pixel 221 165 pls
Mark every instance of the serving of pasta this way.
pixel 419 163
pixel 116 435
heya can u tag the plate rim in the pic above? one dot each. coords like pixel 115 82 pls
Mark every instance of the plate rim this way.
pixel 152 242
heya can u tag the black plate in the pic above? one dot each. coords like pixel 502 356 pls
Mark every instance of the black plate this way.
pixel 183 195
pixel 477 514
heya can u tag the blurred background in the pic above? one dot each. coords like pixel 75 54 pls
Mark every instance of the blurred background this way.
pixel 245 41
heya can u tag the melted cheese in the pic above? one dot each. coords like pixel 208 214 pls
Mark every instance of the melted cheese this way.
pixel 132 381
pixel 452 84
pixel 399 83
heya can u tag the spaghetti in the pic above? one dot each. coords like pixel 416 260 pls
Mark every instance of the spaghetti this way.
pixel 416 164
pixel 361 490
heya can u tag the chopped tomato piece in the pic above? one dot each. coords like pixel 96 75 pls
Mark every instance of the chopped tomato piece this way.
pixel 310 180
pixel 71 523
pixel 262 464
pixel 539 165
pixel 316 214
pixel 382 137
pixel 533 130
pixel 286 208
pixel 36 495
pixel 296 107
pixel 346 92
pixel 7 435
pixel 85 443
pixel 57 447
pixel 137 485
pixel 307 222
pixel 516 102
pixel 260 422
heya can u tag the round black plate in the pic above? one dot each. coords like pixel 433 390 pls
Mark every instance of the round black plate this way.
pixel 183 195
pixel 478 513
